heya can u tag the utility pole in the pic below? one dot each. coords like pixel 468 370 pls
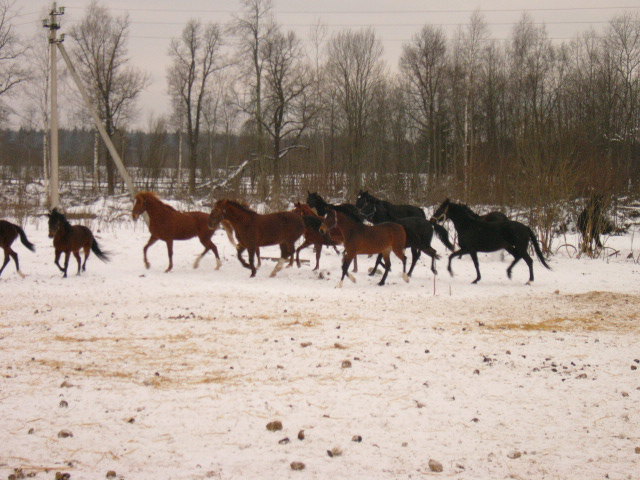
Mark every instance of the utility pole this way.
pixel 53 25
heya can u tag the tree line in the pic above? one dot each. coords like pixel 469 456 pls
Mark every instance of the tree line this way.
pixel 522 121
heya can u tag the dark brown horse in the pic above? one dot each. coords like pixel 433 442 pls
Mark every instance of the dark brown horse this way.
pixel 255 230
pixel 312 234
pixel 168 224
pixel 69 239
pixel 359 238
pixel 8 233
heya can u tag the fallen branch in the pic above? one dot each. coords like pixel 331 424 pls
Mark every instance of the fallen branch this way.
pixel 240 168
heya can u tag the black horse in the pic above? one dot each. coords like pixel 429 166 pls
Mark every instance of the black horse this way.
pixel 386 211
pixel 419 234
pixel 8 233
pixel 592 223
pixel 315 201
pixel 477 235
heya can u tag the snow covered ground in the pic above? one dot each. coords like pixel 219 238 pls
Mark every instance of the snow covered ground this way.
pixel 145 375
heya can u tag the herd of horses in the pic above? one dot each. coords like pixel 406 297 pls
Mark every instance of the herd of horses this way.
pixel 371 226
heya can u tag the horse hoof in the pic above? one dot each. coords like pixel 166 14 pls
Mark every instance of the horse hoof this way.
pixel 405 277
pixel 21 274
pixel 352 278
pixel 218 264
pixel 339 284
pixel 147 266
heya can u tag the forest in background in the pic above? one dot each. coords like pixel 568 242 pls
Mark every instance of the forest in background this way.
pixel 527 122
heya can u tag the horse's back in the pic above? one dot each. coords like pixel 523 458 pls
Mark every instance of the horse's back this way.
pixel 8 232
pixel 278 227
pixel 378 238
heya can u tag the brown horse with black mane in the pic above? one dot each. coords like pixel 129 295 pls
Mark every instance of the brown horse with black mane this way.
pixel 168 224
pixel 69 239
pixel 255 230
pixel 8 233
pixel 359 238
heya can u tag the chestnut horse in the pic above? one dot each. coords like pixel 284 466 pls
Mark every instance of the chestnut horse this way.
pixel 8 233
pixel 364 239
pixel 312 234
pixel 255 230
pixel 69 238
pixel 168 224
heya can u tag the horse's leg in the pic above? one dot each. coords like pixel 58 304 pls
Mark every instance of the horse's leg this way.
pixel 6 259
pixel 346 261
pixel 229 229
pixel 66 263
pixel 170 253
pixel 151 241
pixel 57 259
pixel 304 245
pixel 415 255
pixel 318 250
pixel 527 258
pixel 403 258
pixel 459 253
pixel 242 260
pixel 284 253
pixel 434 256
pixel 355 265
pixel 387 266
pixel 252 253
pixel 87 251
pixel 77 255
pixel 374 270
pixel 208 245
pixel 14 255
pixel 474 257
pixel 516 258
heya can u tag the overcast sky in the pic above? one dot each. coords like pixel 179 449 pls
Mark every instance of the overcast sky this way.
pixel 155 22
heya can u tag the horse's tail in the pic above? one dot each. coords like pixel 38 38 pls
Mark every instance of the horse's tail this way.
pixel 443 235
pixel 99 253
pixel 23 239
pixel 536 247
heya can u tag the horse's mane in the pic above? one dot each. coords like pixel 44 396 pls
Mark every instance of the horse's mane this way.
pixel 317 196
pixel 376 200
pixel 346 211
pixel 60 216
pixel 465 209
pixel 240 206
pixel 148 195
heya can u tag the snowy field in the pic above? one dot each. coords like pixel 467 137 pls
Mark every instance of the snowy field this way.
pixel 137 374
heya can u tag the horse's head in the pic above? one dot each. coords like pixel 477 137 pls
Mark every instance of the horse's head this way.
pixel 317 203
pixel 56 221
pixel 362 199
pixel 218 213
pixel 139 205
pixel 329 222
pixel 440 215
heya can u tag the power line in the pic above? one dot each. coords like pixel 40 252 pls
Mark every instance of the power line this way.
pixel 382 12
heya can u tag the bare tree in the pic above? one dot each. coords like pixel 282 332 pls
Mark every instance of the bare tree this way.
pixel 252 28
pixel 288 109
pixel 100 52
pixel 12 71
pixel 357 71
pixel 424 67
pixel 195 58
